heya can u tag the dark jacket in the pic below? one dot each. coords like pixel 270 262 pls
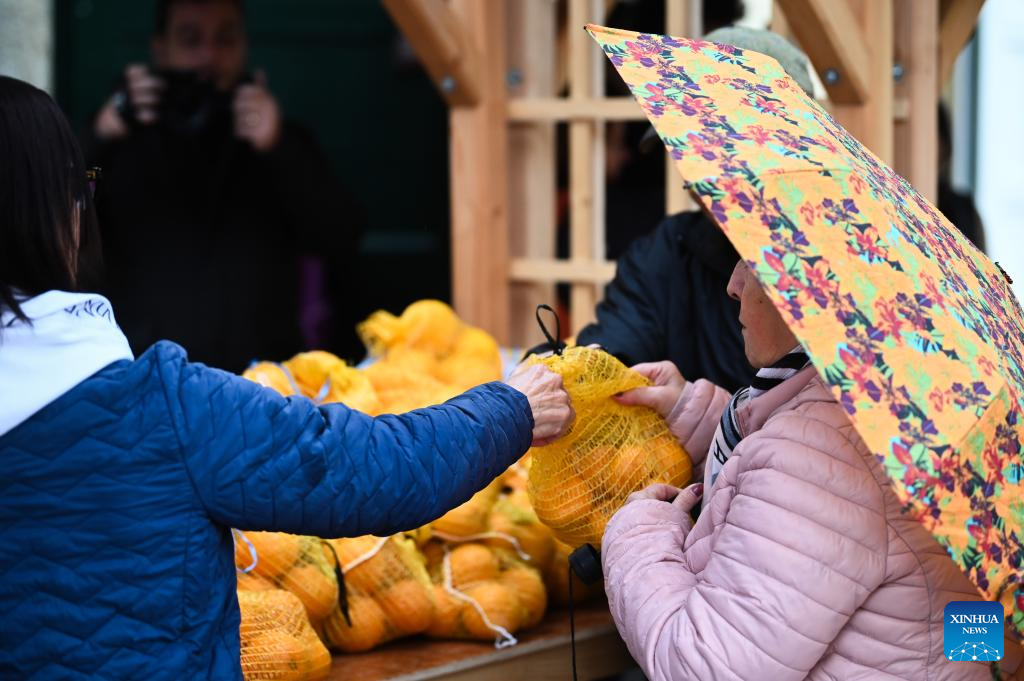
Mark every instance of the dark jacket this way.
pixel 202 238
pixel 668 301
pixel 117 499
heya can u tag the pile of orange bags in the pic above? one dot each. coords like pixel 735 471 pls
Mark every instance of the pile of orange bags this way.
pixel 389 593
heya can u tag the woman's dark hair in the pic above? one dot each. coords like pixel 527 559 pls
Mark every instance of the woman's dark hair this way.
pixel 48 233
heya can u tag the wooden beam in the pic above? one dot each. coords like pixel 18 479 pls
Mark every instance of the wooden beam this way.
pixel 586 159
pixel 553 109
pixel 478 139
pixel 562 271
pixel 443 46
pixel 957 25
pixel 833 39
pixel 872 121
pixel 532 25
pixel 915 137
pixel 682 18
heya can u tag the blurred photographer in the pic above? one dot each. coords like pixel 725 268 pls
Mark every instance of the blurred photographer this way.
pixel 219 216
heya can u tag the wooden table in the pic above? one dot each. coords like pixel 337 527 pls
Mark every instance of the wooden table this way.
pixel 543 654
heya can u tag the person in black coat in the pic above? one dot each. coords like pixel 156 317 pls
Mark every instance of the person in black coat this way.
pixel 668 301
pixel 211 200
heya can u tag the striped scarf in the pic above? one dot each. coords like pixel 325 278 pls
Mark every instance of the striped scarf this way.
pixel 728 434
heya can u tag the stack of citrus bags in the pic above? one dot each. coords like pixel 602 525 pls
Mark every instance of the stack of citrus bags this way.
pixel 484 571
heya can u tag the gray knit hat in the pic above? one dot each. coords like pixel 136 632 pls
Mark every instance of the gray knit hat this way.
pixel 790 58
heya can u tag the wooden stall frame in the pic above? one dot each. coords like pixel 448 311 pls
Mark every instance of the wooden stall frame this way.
pixel 502 65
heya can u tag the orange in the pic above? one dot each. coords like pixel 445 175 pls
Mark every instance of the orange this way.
pixel 528 586
pixel 369 626
pixel 367 576
pixel 250 582
pixel 447 614
pixel 499 603
pixel 276 552
pixel 472 563
pixel 471 517
pixel 273 654
pixel 408 606
pixel 317 664
pixel 513 516
pixel 668 461
pixel 315 586
pixel 434 554
pixel 566 511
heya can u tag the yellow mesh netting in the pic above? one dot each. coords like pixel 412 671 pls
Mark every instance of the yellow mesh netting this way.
pixel 389 593
pixel 578 482
pixel 482 593
pixel 291 562
pixel 277 640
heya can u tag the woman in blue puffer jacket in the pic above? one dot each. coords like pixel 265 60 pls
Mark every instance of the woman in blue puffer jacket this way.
pixel 121 476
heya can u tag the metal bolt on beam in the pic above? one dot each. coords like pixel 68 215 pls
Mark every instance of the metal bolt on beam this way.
pixel 448 84
pixel 831 76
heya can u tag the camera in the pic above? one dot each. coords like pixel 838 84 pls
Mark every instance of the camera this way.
pixel 190 104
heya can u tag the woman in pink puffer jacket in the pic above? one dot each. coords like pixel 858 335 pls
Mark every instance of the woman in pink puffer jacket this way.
pixel 801 565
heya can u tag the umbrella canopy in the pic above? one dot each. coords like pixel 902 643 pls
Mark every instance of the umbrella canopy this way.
pixel 915 330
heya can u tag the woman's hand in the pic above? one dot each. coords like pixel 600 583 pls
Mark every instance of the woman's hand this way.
pixel 663 395
pixel 551 406
pixel 683 499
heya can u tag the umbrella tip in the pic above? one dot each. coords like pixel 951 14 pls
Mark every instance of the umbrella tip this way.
pixel 1003 272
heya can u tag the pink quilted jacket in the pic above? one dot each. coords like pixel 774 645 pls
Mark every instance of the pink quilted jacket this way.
pixel 800 566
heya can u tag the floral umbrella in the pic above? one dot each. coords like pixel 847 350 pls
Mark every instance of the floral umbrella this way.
pixel 916 331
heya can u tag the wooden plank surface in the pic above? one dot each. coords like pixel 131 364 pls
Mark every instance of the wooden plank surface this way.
pixel 586 158
pixel 958 21
pixel 553 109
pixel 532 25
pixel 478 167
pixel 915 136
pixel 543 654
pixel 562 271
pixel 833 38
pixel 444 48
pixel 872 121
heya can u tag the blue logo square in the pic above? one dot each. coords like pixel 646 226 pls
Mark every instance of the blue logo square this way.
pixel 973 631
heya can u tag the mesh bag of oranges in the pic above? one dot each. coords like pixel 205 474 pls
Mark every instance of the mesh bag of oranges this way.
pixel 277 640
pixel 320 376
pixel 268 560
pixel 483 593
pixel 578 482
pixel 389 594
pixel 428 339
pixel 501 516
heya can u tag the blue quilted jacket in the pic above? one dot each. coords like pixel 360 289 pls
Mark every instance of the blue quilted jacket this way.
pixel 116 500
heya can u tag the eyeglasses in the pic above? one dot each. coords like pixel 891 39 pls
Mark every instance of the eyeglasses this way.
pixel 92 176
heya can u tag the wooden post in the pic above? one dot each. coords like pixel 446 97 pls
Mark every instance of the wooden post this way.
pixel 532 28
pixel 682 18
pixel 871 122
pixel 959 18
pixel 916 134
pixel 586 159
pixel 479 179
pixel 443 46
